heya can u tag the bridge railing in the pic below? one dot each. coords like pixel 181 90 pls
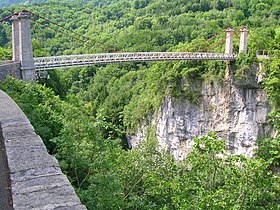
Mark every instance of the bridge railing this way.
pixel 104 58
pixel 267 54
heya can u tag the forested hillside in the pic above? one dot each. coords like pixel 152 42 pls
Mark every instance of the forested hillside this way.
pixel 84 114
pixel 6 3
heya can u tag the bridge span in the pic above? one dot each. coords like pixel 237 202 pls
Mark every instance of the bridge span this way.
pixel 45 63
pixel 23 53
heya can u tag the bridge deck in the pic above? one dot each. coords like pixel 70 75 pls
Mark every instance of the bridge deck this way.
pixel 45 63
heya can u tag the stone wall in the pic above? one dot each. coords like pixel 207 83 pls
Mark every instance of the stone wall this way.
pixel 9 69
pixel 36 178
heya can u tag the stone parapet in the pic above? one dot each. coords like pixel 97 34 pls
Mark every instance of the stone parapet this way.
pixel 37 181
pixel 10 68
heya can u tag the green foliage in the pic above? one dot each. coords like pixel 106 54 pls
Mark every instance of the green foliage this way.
pixel 5 54
pixel 145 178
pixel 85 126
pixel 244 63
pixel 41 106
pixel 272 83
pixel 106 176
pixel 232 182
pixel 269 149
pixel 245 71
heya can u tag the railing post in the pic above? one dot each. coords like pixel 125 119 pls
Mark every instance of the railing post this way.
pixel 25 47
pixel 229 41
pixel 243 40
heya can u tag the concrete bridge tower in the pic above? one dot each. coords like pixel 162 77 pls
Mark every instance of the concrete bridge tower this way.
pixel 22 44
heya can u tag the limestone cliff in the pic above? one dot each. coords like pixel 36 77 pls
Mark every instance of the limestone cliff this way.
pixel 237 112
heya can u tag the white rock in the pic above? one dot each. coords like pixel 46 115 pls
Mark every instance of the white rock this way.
pixel 237 114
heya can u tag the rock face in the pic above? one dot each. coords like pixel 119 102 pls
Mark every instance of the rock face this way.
pixel 238 114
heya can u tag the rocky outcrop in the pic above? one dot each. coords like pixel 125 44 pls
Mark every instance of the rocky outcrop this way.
pixel 237 113
pixel 36 179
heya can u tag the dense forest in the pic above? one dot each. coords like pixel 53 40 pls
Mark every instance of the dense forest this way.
pixel 84 114
pixel 5 3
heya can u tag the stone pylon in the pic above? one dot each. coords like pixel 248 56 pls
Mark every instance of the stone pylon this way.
pixel 22 45
pixel 229 41
pixel 243 40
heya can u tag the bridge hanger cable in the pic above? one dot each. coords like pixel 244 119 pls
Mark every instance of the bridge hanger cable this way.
pixel 10 16
pixel 218 34
pixel 212 45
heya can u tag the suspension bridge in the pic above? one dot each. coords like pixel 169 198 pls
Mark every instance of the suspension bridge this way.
pixel 23 53
pixel 104 58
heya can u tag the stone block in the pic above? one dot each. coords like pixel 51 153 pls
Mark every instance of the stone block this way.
pixel 22 176
pixel 22 158
pixel 63 196
pixel 27 140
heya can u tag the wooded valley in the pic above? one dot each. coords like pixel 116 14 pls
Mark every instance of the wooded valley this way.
pixel 84 114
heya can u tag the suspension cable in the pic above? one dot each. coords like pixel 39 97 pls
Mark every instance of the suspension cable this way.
pixel 6 18
pixel 81 35
pixel 206 41
pixel 36 21
pixel 80 38
pixel 85 38
pixel 102 45
pixel 237 34
pixel 215 44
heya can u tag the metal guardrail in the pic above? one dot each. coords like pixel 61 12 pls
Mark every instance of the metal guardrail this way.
pixel 267 54
pixel 45 63
pixel 263 54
